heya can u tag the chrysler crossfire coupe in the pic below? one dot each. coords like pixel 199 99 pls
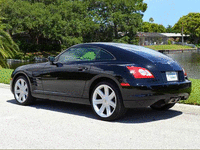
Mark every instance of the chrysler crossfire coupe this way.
pixel 110 77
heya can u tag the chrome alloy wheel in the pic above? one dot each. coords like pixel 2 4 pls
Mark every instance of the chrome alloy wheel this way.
pixel 104 101
pixel 21 90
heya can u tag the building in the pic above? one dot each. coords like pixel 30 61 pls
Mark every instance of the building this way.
pixel 146 38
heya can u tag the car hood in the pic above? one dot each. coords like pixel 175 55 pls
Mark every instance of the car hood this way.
pixel 32 67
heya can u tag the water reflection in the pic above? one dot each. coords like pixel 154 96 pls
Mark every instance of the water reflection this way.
pixel 13 64
pixel 190 61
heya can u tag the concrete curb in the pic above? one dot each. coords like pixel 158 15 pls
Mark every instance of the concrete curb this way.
pixel 6 86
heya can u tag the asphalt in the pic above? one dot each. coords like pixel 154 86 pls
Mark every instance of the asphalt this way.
pixel 59 125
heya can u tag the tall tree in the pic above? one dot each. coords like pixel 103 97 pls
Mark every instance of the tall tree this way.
pixel 190 25
pixel 115 16
pixel 151 20
pixel 8 48
pixel 169 29
pixel 74 21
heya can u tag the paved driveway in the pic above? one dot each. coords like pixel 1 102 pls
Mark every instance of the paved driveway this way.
pixel 59 125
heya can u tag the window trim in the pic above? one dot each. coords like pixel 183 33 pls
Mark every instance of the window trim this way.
pixel 114 58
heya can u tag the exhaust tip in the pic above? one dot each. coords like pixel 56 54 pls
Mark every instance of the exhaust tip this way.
pixel 174 99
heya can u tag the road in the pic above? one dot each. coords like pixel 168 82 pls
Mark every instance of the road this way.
pixel 58 125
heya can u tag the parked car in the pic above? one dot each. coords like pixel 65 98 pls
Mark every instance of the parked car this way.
pixel 110 77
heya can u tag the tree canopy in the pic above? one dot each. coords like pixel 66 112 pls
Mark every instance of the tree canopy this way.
pixel 151 20
pixel 191 26
pixel 152 27
pixel 170 29
pixel 74 21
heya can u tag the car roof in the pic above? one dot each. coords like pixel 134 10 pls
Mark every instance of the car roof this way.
pixel 110 47
pixel 123 46
pixel 127 52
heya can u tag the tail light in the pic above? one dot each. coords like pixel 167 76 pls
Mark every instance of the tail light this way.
pixel 185 74
pixel 139 72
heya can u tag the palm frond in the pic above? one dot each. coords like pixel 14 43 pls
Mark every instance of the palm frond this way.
pixel 8 48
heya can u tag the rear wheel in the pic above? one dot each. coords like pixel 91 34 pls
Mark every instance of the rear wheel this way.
pixel 22 92
pixel 162 107
pixel 107 102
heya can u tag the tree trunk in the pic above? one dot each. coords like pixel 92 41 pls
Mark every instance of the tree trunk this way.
pixel 115 30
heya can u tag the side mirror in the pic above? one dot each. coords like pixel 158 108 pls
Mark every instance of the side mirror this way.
pixel 51 59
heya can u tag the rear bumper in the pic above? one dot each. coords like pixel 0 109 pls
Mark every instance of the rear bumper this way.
pixel 146 95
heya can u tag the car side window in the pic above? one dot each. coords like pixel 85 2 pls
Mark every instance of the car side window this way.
pixel 78 54
pixel 103 55
pixel 88 54
pixel 69 55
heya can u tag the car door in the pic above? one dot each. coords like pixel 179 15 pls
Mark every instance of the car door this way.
pixel 68 75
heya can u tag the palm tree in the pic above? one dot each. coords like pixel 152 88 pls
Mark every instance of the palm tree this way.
pixel 8 47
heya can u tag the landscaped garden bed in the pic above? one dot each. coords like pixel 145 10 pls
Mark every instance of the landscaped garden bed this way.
pixel 169 47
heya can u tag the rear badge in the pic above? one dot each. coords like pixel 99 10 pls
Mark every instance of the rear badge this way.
pixel 172 76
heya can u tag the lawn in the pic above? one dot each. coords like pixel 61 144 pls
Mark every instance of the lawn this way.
pixel 5 75
pixel 168 47
pixel 193 99
pixel 195 95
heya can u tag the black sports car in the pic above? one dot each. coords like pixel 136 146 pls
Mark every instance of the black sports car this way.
pixel 110 76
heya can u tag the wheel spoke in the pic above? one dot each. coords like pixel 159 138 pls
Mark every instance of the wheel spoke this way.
pixel 17 91
pixel 102 109
pixel 26 93
pixel 18 85
pixel 20 97
pixel 24 97
pixel 100 93
pixel 112 104
pixel 108 111
pixel 106 90
pixel 99 101
pixel 112 95
pixel 25 86
pixel 23 83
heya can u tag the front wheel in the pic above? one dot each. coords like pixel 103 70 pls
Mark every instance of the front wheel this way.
pixel 107 102
pixel 22 92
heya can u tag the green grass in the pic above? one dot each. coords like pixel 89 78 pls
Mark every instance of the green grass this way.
pixel 194 98
pixel 195 94
pixel 5 75
pixel 168 47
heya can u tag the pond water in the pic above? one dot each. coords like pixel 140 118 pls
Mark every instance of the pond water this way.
pixel 13 64
pixel 190 61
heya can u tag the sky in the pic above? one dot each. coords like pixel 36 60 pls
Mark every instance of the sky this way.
pixel 168 12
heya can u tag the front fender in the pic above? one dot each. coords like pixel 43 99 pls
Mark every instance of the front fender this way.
pixel 16 74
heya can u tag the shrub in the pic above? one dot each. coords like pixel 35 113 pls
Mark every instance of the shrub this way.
pixel 170 41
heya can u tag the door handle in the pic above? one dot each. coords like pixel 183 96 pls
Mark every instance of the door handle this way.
pixel 82 68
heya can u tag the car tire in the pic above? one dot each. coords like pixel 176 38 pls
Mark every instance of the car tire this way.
pixel 161 108
pixel 106 101
pixel 21 90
